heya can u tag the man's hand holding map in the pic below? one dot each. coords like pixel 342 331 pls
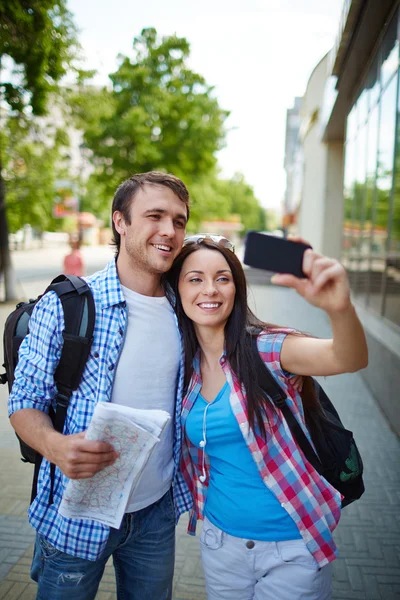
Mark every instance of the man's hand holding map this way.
pixel 133 433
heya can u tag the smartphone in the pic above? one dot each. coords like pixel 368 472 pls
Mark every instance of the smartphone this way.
pixel 275 254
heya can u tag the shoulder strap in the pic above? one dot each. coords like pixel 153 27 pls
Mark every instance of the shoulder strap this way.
pixel 79 320
pixel 271 387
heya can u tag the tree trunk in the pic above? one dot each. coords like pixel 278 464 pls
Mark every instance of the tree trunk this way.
pixel 6 269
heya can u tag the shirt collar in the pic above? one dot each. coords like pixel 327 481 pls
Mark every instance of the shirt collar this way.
pixel 110 286
pixel 196 362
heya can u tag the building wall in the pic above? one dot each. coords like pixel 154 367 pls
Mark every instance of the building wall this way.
pixel 350 201
pixel 320 212
pixel 371 231
pixel 333 205
pixel 292 162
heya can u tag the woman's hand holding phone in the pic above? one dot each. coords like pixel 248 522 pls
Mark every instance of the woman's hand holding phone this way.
pixel 322 281
pixel 326 285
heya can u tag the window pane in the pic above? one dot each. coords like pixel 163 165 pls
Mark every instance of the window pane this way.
pixel 362 104
pixel 384 187
pixel 349 180
pixel 392 299
pixel 358 212
pixel 351 124
pixel 373 83
pixel 372 149
pixel 390 52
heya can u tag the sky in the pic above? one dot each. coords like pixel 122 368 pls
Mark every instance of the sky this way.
pixel 258 55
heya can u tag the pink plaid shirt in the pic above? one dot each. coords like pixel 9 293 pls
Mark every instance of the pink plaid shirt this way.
pixel 308 498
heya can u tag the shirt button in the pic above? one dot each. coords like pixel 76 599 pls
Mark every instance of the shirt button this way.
pixel 111 367
pixel 250 544
pixel 96 355
pixel 121 331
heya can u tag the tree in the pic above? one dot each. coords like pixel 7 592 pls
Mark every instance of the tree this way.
pixel 214 199
pixel 246 204
pixel 32 162
pixel 163 116
pixel 37 42
pixel 159 115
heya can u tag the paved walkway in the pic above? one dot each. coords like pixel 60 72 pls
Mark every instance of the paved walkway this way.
pixel 368 535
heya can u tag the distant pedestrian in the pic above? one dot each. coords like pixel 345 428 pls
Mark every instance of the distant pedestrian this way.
pixel 73 262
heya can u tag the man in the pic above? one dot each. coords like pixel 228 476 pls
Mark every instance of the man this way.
pixel 135 360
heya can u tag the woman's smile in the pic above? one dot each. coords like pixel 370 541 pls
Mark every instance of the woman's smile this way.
pixel 209 306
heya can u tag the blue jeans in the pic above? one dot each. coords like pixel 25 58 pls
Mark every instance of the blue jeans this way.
pixel 143 551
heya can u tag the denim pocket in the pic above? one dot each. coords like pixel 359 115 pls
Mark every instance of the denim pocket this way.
pixel 211 536
pixel 296 552
pixel 48 550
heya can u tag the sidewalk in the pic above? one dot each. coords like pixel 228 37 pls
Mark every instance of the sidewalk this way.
pixel 368 536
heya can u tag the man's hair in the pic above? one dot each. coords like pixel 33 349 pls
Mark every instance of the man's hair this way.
pixel 127 191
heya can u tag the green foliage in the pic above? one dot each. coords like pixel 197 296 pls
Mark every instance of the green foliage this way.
pixel 40 39
pixel 90 107
pixel 246 205
pixel 95 199
pixel 31 164
pixel 37 42
pixel 225 199
pixel 159 115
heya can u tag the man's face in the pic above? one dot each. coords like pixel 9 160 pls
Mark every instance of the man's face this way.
pixel 155 235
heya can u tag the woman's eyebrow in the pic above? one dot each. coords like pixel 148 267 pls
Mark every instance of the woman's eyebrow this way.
pixel 202 272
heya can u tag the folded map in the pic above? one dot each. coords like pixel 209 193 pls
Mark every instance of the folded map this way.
pixel 133 433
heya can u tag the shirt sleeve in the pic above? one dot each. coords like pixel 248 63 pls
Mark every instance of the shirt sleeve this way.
pixel 270 346
pixel 39 354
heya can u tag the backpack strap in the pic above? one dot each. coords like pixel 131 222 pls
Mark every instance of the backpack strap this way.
pixel 271 387
pixel 79 320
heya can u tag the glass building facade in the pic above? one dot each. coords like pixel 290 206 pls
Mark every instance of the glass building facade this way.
pixel 371 230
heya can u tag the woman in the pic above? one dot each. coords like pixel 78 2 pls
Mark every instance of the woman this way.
pixel 73 262
pixel 268 515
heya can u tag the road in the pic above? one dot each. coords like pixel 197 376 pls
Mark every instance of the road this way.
pixel 37 267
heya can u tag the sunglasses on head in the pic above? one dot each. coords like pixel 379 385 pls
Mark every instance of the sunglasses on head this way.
pixel 218 239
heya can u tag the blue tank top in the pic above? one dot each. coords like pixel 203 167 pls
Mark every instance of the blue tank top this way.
pixel 238 501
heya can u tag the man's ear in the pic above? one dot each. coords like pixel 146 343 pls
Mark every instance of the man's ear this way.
pixel 119 222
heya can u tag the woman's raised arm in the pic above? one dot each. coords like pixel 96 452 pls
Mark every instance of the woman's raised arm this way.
pixel 325 287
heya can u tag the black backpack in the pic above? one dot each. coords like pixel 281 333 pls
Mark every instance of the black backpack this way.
pixel 79 316
pixel 338 459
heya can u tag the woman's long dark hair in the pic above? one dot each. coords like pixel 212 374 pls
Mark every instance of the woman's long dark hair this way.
pixel 241 326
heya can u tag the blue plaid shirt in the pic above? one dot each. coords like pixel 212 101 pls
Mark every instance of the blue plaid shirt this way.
pixel 34 387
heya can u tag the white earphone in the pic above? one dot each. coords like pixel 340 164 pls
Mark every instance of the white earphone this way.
pixel 202 444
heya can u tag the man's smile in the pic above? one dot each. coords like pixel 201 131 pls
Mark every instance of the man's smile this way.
pixel 163 247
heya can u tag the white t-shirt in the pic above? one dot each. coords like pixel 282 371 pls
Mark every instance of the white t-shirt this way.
pixel 146 377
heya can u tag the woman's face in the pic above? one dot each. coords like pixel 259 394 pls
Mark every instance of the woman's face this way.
pixel 206 288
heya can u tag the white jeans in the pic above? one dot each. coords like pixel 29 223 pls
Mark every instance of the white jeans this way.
pixel 240 569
